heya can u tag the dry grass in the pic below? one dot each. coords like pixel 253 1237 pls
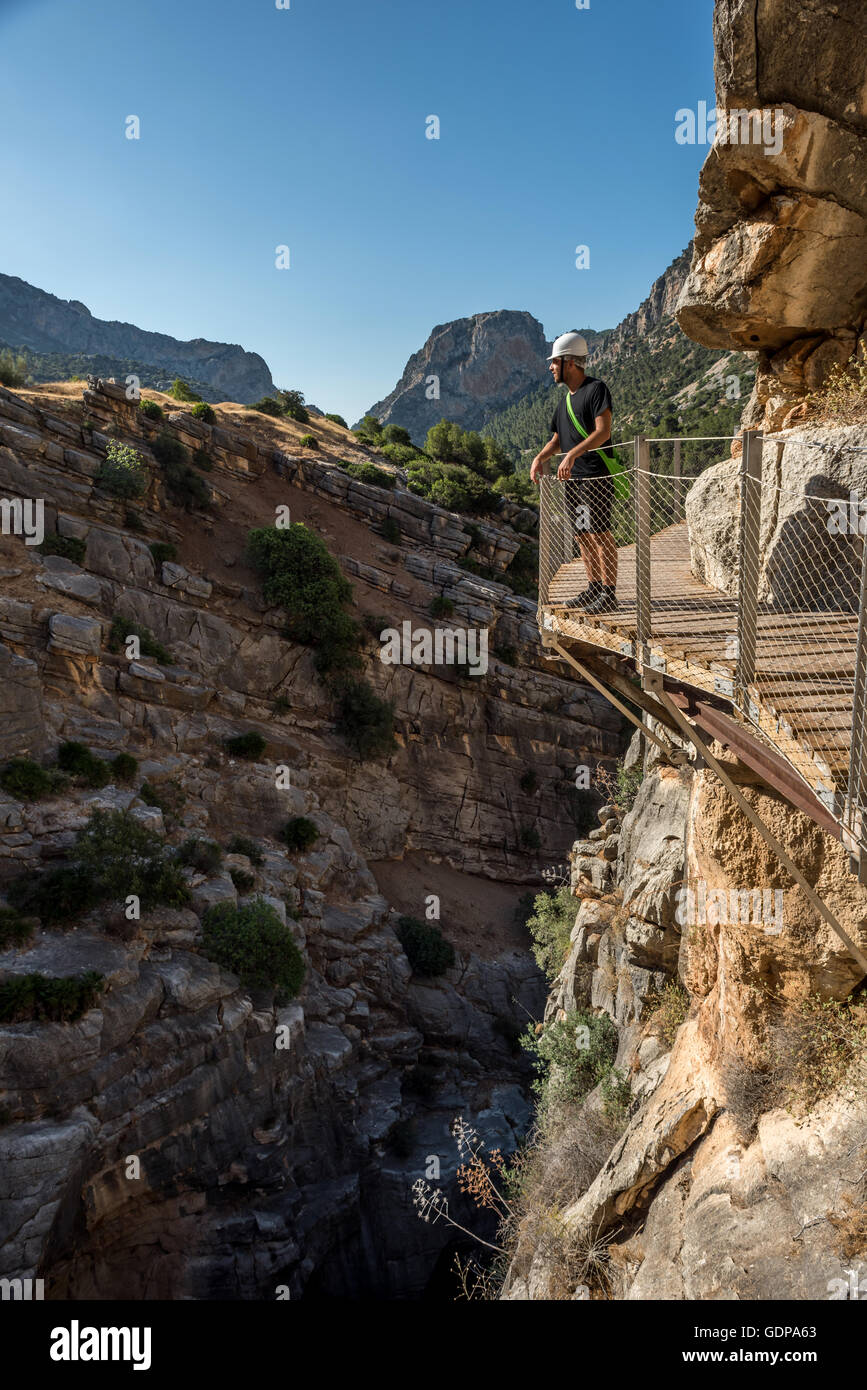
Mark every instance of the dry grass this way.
pixel 668 1009
pixel 843 398
pixel 851 1227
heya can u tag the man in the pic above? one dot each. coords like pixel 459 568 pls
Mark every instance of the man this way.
pixel 591 493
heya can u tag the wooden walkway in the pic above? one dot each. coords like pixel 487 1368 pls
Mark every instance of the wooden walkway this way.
pixel 802 697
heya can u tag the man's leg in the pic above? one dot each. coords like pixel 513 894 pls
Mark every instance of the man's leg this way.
pixel 606 550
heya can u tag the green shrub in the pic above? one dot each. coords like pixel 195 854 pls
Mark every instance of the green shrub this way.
pixel 337 420
pixel 78 761
pixel 426 948
pixel 369 473
pixel 309 441
pixel 242 880
pixel 13 368
pixel 151 409
pixel 252 942
pixel 522 576
pixel 566 1071
pixel 202 459
pixel 182 392
pixel 550 924
pixel 441 607
pixel 250 745
pixel 668 1008
pixel 390 531
pixel 124 767
pixel 15 930
pixel 163 550
pixel 365 721
pixel 169 798
pixel 370 430
pixel 53 896
pixel 122 628
pixel 268 406
pixel 400 454
pixel 49 998
pixel 396 434
pixel 25 780
pixel 302 577
pixel 122 472
pixel 124 857
pixel 202 411
pixel 241 844
pixel 616 1095
pixel 167 449
pixel 292 403
pixel 203 855
pixel 300 833
pixel 186 488
pixel 70 547
pixel 529 837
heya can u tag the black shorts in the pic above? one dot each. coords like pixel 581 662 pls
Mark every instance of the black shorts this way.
pixel 588 502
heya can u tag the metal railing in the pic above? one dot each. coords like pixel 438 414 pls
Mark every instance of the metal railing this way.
pixel 733 581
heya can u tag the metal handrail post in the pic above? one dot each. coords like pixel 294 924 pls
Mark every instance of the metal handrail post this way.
pixel 858 746
pixel 642 544
pixel 748 565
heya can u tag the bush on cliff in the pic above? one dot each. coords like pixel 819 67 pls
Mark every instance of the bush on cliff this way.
pixel 301 576
pixel 13 368
pixel 47 998
pixel 182 392
pixel 426 948
pixel 15 929
pixel 369 473
pixel 255 945
pixel 26 780
pixel 69 547
pixel 78 761
pixel 124 628
pixel 122 472
pixel 571 1056
pixel 550 926
pixel 152 410
pixel 300 833
pixel 250 746
pixel 365 721
pixel 202 411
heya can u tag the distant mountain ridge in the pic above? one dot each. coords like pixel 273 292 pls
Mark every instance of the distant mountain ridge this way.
pixel 467 369
pixel 33 318
pixel 660 380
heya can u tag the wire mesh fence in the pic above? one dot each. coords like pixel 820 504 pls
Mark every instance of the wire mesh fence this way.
pixel 731 581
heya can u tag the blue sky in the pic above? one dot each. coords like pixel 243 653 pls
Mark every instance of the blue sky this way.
pixel 306 127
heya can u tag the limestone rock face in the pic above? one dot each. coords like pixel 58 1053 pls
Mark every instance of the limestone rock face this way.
pixel 810 554
pixel 30 317
pixel 483 363
pixel 780 256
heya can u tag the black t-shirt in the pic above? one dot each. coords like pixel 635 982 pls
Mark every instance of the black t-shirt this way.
pixel 590 400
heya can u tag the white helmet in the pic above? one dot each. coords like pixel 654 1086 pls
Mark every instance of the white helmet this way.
pixel 569 345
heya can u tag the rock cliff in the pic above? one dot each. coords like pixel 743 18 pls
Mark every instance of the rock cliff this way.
pixel 780 256
pixel 738 1170
pixel 30 317
pixel 262 1167
pixel 466 370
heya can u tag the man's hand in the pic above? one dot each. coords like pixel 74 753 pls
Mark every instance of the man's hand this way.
pixel 538 468
pixel 567 463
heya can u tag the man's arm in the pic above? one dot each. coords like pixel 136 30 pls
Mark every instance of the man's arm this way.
pixel 538 468
pixel 594 439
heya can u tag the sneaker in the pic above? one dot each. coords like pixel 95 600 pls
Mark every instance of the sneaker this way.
pixel 605 602
pixel 588 595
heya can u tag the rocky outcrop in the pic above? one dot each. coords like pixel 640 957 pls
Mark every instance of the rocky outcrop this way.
pixel 719 1186
pixel 781 230
pixel 30 317
pixel 810 550
pixel 261 1167
pixel 466 370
